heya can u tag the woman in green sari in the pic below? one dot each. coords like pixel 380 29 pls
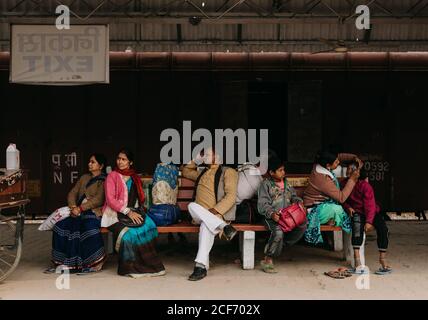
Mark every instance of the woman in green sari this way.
pixel 323 196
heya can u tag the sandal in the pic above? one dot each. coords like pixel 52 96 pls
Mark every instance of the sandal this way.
pixel 86 271
pixel 59 270
pixel 340 273
pixel 146 275
pixel 268 267
pixel 345 272
pixel 335 274
pixel 384 271
pixel 50 270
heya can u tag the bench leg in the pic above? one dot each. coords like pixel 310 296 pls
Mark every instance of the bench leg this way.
pixel 247 243
pixel 108 242
pixel 348 252
pixel 337 241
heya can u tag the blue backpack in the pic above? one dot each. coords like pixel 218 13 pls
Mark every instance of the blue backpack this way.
pixel 164 214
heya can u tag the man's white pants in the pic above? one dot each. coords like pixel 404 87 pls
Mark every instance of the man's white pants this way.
pixel 208 230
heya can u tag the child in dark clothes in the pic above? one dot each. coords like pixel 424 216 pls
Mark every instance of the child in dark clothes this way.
pixel 366 216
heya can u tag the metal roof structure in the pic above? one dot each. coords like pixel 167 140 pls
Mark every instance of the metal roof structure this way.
pixel 236 25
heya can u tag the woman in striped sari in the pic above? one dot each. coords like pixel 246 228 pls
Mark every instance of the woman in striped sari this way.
pixel 77 244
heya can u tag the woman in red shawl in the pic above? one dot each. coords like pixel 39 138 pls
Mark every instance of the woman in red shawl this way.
pixel 134 231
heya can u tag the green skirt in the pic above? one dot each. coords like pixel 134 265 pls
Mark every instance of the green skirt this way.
pixel 322 214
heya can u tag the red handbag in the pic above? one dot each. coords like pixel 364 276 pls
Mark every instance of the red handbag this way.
pixel 292 217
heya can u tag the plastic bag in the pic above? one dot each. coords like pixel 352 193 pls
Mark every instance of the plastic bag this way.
pixel 56 216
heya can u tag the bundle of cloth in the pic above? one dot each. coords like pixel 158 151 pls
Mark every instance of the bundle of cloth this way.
pixel 164 210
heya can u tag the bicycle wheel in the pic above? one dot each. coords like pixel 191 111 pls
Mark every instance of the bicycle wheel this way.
pixel 10 247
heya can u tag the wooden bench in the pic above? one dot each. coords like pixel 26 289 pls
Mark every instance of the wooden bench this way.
pixel 246 231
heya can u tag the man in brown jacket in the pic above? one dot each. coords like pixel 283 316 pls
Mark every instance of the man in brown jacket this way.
pixel 215 203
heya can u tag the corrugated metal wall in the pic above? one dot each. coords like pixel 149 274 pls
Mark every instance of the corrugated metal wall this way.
pixel 290 37
pixel 255 38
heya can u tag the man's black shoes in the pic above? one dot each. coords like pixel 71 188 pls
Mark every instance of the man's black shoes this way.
pixel 198 274
pixel 229 232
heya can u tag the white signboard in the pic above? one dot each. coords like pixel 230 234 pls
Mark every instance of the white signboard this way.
pixel 42 54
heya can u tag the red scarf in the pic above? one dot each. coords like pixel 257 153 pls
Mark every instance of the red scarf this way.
pixel 137 181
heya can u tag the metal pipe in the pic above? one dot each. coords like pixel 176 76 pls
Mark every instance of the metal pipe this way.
pixel 260 61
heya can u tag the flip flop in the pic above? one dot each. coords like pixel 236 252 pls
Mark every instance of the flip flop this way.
pixel 146 275
pixel 335 274
pixel 345 272
pixel 50 270
pixel 86 271
pixel 339 273
pixel 57 270
pixel 268 267
pixel 383 271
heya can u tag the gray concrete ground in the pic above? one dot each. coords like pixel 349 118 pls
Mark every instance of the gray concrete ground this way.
pixel 300 273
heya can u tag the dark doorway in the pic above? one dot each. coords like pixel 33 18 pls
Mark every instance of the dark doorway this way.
pixel 267 109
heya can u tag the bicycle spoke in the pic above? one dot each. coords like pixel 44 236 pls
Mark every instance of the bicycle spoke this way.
pixel 11 229
pixel 7 253
pixel 4 261
pixel 5 247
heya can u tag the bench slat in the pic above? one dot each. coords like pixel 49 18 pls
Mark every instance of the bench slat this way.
pixel 186 227
pixel 184 182
pixel 330 228
pixel 190 228
pixel 185 194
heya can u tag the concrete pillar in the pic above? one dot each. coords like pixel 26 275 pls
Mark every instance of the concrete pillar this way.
pixel 348 252
pixel 337 241
pixel 247 243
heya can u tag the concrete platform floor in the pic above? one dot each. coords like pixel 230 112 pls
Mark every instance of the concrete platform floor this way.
pixel 301 273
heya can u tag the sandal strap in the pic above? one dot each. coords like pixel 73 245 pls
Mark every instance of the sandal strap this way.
pixel 334 275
